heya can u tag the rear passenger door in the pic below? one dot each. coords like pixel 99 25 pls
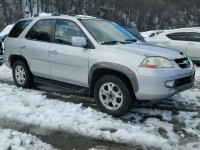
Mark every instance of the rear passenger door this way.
pixel 176 41
pixel 36 47
pixel 193 45
pixel 68 63
pixel 13 41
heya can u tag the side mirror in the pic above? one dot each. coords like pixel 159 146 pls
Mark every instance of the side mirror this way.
pixel 79 41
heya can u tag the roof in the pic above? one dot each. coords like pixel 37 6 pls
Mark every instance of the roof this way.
pixel 63 16
pixel 193 29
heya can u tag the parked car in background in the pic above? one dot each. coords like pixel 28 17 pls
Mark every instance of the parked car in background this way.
pixel 96 55
pixel 151 34
pixel 133 30
pixel 4 33
pixel 185 40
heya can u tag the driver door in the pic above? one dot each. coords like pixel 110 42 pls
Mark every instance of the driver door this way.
pixel 68 63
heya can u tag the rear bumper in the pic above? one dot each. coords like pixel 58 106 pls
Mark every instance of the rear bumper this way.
pixel 152 82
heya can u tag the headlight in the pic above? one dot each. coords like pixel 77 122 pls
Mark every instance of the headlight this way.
pixel 156 62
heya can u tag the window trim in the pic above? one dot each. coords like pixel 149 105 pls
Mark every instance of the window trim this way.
pixel 52 26
pixel 90 44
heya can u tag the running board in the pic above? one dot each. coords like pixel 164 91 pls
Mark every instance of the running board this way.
pixel 60 87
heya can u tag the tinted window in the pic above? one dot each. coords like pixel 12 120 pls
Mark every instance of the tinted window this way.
pixel 194 37
pixel 19 28
pixel 65 30
pixel 41 31
pixel 177 36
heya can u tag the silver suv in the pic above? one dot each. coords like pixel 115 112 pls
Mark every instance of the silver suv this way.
pixel 99 56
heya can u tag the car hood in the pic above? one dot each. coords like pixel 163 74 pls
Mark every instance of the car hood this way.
pixel 147 50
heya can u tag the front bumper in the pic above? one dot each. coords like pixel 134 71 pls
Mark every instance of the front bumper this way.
pixel 152 82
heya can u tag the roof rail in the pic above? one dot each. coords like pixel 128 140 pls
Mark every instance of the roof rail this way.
pixel 59 14
pixel 84 16
pixel 55 14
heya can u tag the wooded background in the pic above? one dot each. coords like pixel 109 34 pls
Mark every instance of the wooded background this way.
pixel 147 14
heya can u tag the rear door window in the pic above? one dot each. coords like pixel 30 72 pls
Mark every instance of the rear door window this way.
pixel 19 28
pixel 41 31
pixel 193 37
pixel 177 36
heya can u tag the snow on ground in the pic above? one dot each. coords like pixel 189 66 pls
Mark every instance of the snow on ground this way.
pixel 5 74
pixel 13 140
pixel 32 107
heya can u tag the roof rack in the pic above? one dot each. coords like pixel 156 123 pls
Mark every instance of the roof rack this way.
pixel 72 14
pixel 55 14
pixel 60 14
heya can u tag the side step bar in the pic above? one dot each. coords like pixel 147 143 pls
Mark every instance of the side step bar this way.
pixel 60 87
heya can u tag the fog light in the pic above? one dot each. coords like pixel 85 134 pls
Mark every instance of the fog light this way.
pixel 169 84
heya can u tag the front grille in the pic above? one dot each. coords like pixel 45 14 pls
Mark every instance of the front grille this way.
pixel 184 81
pixel 183 62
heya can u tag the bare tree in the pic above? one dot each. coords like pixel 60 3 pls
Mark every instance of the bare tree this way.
pixel 151 14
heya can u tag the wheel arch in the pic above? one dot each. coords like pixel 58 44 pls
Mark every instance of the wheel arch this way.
pixel 107 68
pixel 14 57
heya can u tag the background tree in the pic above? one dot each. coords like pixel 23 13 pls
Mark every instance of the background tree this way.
pixel 148 15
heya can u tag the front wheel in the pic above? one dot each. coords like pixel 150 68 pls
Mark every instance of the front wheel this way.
pixel 112 95
pixel 21 74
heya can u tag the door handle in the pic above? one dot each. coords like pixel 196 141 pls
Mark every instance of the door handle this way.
pixel 23 47
pixel 54 52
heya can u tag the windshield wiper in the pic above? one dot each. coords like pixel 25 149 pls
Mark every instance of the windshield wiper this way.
pixel 112 42
pixel 131 40
pixel 115 42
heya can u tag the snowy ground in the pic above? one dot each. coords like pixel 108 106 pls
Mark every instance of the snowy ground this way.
pixel 13 140
pixel 168 124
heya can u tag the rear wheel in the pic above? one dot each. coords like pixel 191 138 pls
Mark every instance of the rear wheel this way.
pixel 112 95
pixel 21 74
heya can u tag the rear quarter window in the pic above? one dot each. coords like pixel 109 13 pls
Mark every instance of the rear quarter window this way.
pixel 193 37
pixel 19 28
pixel 177 36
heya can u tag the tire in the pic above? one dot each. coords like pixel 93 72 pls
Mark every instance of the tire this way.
pixel 108 98
pixel 21 71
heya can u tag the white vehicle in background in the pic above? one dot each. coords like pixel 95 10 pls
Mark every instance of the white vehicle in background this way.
pixel 4 33
pixel 151 34
pixel 185 40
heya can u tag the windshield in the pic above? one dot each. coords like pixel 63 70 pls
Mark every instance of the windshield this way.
pixel 107 32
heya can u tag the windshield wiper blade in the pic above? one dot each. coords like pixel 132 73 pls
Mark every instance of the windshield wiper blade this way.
pixel 112 42
pixel 131 40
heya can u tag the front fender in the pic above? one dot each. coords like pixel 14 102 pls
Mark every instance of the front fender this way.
pixel 115 67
